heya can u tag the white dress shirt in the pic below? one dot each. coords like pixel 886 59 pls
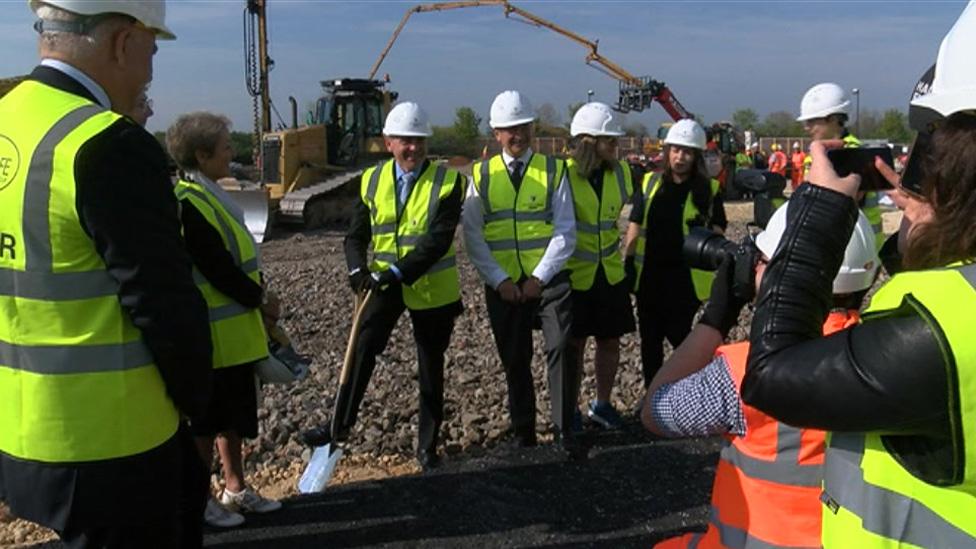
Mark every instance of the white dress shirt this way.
pixel 560 247
pixel 96 90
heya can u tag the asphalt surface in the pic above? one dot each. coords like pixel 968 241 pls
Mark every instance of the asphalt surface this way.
pixel 632 491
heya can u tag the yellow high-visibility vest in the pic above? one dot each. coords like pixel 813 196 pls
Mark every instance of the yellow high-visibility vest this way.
pixel 237 331
pixel 870 498
pixel 518 224
pixel 77 382
pixel 702 280
pixel 597 233
pixel 395 233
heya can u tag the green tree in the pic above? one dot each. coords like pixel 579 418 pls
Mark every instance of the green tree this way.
pixel 745 119
pixel 635 129
pixel 781 124
pixel 243 145
pixel 894 127
pixel 548 122
pixel 467 124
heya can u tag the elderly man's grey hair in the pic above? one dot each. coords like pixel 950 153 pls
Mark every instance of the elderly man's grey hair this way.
pixel 73 44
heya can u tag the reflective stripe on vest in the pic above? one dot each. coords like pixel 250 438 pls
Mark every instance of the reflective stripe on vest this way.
pixel 597 233
pixel 518 224
pixel 870 499
pixel 395 234
pixel 872 210
pixel 702 280
pixel 767 483
pixel 237 331
pixel 77 383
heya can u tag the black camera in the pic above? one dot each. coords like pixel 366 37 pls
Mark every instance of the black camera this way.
pixel 705 250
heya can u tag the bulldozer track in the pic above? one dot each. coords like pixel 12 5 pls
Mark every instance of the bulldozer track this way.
pixel 292 209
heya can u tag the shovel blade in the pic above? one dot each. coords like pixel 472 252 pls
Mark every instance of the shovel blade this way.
pixel 320 469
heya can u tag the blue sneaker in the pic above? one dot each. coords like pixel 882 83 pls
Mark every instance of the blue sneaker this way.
pixel 604 414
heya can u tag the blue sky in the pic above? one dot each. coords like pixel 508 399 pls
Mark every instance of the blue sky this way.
pixel 716 56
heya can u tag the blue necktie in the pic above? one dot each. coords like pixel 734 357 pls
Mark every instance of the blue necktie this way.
pixel 406 182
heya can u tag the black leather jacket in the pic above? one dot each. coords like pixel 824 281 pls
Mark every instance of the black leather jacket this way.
pixel 887 375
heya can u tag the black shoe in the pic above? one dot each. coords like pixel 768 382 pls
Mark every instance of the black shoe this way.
pixel 428 459
pixel 526 440
pixel 575 449
pixel 317 436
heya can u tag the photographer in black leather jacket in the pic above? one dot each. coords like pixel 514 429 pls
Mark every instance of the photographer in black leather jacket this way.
pixel 898 391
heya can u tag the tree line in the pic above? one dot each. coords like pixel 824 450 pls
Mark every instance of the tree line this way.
pixel 891 124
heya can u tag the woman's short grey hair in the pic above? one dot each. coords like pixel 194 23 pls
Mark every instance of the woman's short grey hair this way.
pixel 195 132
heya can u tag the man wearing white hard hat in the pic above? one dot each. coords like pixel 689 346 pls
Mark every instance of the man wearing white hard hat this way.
pixel 824 113
pixel 519 231
pixel 665 207
pixel 601 185
pixel 767 483
pixel 109 335
pixel 797 160
pixel 408 212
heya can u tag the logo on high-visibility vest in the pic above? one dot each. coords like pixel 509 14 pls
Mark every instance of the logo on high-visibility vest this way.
pixel 9 161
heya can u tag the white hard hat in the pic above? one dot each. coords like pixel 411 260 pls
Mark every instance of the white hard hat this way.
pixel 823 100
pixel 510 108
pixel 953 86
pixel 407 119
pixel 594 119
pixel 796 144
pixel 686 133
pixel 860 258
pixel 151 13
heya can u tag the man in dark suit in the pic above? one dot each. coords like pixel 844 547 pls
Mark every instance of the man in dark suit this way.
pixel 409 210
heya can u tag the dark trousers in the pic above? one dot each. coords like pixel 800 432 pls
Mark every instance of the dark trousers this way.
pixel 431 332
pixel 512 326
pixel 661 316
pixel 154 499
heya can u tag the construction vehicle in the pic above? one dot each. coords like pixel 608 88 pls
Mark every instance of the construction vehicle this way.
pixel 307 173
pixel 635 93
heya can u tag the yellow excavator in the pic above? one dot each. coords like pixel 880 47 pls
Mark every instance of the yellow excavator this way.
pixel 307 172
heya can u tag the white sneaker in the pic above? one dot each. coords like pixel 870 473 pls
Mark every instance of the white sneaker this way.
pixel 248 501
pixel 220 517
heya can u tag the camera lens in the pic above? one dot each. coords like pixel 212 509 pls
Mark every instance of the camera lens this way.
pixel 705 250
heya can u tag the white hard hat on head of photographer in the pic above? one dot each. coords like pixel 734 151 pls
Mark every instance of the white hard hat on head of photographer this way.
pixel 823 100
pixel 860 257
pixel 686 133
pixel 407 119
pixel 510 108
pixel 151 13
pixel 953 87
pixel 594 119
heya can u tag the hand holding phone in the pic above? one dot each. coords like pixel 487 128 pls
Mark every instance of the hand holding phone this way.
pixel 861 161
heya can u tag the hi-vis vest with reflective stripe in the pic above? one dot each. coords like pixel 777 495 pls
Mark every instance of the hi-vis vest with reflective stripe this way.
pixel 597 234
pixel 396 233
pixel 702 280
pixel 870 500
pixel 518 224
pixel 77 383
pixel 767 484
pixel 237 331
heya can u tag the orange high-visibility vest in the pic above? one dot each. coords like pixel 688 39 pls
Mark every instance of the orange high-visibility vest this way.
pixel 768 482
pixel 777 163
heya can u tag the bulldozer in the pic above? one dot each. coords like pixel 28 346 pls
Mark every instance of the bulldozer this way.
pixel 308 173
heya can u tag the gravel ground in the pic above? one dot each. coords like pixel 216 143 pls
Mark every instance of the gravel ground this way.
pixel 633 490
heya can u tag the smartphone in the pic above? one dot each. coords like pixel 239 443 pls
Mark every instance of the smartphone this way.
pixel 861 162
pixel 911 177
